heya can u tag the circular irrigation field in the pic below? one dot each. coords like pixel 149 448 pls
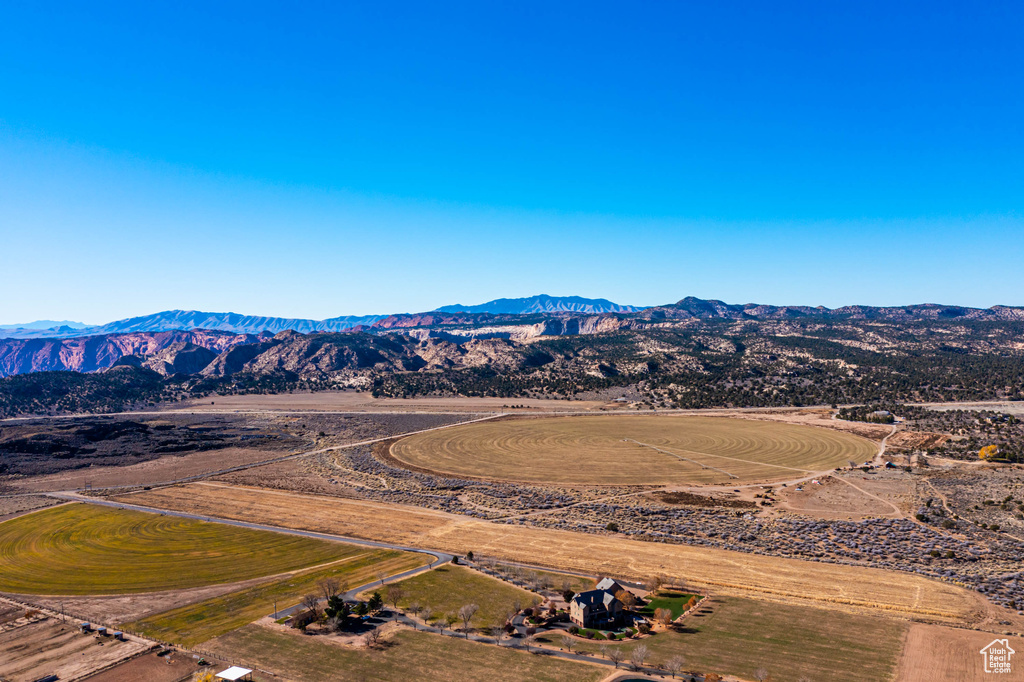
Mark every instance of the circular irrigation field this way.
pixel 630 450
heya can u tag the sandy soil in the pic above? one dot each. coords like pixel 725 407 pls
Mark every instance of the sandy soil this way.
pixel 934 653
pixel 725 572
pixel 51 647
pixel 883 494
pixel 833 499
pixel 169 468
pixel 151 668
pixel 16 506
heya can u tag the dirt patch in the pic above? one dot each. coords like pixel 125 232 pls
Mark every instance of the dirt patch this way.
pixel 16 506
pixel 934 652
pixel 689 499
pixel 49 647
pixel 832 499
pixel 916 440
pixel 151 668
pixel 168 468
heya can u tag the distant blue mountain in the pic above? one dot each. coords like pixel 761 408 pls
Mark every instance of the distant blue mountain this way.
pixel 230 322
pixel 45 324
pixel 173 320
pixel 542 304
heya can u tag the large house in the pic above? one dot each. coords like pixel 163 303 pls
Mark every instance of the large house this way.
pixel 597 608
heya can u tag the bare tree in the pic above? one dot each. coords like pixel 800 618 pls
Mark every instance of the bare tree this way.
pixel 395 594
pixel 762 675
pixel 329 587
pixel 442 622
pixel 568 642
pixel 653 583
pixel 615 655
pixel 414 609
pixel 311 603
pixel 427 613
pixel 466 613
pixel 372 638
pixel 663 616
pixel 637 656
pixel 627 598
pixel 497 631
pixel 381 576
pixel 674 665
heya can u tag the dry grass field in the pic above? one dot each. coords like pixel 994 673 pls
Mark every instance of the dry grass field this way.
pixel 407 655
pixel 195 623
pixel 448 588
pixel 933 652
pixel 85 549
pixel 737 636
pixel 722 571
pixel 628 450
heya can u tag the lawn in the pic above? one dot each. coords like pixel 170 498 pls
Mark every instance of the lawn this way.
pixel 196 623
pixel 739 636
pixel 673 601
pixel 87 549
pixel 448 588
pixel 408 656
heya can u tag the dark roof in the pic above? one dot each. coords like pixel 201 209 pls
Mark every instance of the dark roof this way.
pixel 595 598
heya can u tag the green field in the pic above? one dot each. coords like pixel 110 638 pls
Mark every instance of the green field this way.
pixel 637 449
pixel 666 599
pixel 448 588
pixel 190 625
pixel 85 549
pixel 408 656
pixel 741 635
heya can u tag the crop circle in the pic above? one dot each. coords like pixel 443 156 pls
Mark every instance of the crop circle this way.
pixel 630 450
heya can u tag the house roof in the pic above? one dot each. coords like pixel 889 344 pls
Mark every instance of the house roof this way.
pixel 233 673
pixel 595 598
pixel 609 585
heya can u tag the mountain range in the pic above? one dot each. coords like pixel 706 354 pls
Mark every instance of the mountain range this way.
pixel 171 320
pixel 551 312
pixel 221 344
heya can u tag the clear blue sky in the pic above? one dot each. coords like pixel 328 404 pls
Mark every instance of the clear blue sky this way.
pixel 305 159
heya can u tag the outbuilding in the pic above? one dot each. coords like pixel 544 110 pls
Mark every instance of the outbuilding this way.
pixel 235 673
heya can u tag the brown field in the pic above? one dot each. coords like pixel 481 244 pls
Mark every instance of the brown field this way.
pixel 151 668
pixel 407 655
pixel 722 571
pixel 933 653
pixel 50 647
pixel 605 449
pixel 834 499
pixel 15 506
pixel 168 468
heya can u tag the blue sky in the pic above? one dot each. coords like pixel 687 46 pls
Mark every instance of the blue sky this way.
pixel 332 159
